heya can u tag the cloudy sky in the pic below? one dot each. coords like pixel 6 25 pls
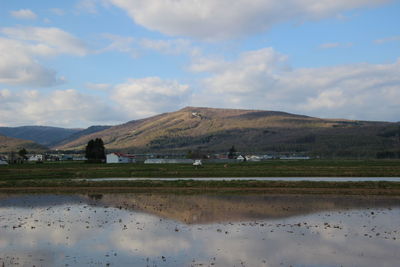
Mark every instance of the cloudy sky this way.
pixel 88 62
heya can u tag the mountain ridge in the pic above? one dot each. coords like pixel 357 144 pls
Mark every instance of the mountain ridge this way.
pixel 216 130
pixel 212 129
pixel 48 136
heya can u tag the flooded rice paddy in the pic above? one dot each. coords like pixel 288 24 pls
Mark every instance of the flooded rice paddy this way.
pixel 127 229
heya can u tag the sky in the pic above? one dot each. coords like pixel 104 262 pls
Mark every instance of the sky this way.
pixel 79 63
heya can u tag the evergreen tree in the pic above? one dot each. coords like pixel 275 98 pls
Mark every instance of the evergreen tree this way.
pixel 95 151
pixel 22 153
pixel 232 152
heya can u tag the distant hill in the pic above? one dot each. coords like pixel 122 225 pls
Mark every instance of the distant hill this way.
pixel 43 135
pixel 210 129
pixel 77 135
pixel 48 136
pixel 9 144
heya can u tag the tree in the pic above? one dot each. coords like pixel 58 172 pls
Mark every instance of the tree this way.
pixel 95 151
pixel 232 152
pixel 22 153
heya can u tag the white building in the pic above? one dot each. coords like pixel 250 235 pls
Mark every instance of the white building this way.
pixel 197 162
pixel 79 158
pixel 35 158
pixel 172 161
pixel 253 158
pixel 294 157
pixel 117 157
pixel 268 157
pixel 240 158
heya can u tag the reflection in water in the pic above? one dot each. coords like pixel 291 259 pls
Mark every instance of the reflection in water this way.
pixel 188 230
pixel 191 209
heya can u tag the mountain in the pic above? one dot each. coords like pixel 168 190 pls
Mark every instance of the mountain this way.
pixel 48 136
pixel 9 144
pixel 77 135
pixel 210 129
pixel 43 135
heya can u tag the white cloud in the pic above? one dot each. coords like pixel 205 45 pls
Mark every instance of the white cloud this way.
pixel 49 40
pixel 137 98
pixel 207 64
pixel 98 86
pixel 261 79
pixel 326 100
pixel 24 46
pixel 66 108
pixel 135 47
pixel 57 11
pixel 121 44
pixel 172 47
pixel 335 45
pixel 19 67
pixel 148 96
pixel 89 6
pixel 215 20
pixel 249 74
pixel 23 14
pixel 387 39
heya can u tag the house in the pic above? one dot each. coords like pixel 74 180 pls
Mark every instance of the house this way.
pixel 197 162
pixel 118 157
pixel 169 161
pixel 294 157
pixel 253 158
pixel 240 158
pixel 36 158
pixel 268 156
pixel 79 158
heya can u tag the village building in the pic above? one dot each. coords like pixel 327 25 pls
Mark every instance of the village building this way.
pixel 268 156
pixel 117 157
pixel 197 162
pixel 169 161
pixel 35 158
pixel 240 158
pixel 253 158
pixel 79 158
pixel 294 157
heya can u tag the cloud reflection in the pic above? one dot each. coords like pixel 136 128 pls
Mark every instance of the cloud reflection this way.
pixel 90 232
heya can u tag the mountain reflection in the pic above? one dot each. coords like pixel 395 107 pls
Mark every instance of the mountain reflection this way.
pixel 198 230
pixel 203 209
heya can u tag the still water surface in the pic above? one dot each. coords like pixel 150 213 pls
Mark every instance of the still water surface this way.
pixel 198 230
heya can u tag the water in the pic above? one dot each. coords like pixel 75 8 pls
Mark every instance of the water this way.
pixel 315 179
pixel 189 230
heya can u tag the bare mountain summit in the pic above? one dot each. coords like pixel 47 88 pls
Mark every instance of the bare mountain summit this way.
pixel 211 129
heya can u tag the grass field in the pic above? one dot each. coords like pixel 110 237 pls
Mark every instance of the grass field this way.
pixel 275 168
pixel 191 186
